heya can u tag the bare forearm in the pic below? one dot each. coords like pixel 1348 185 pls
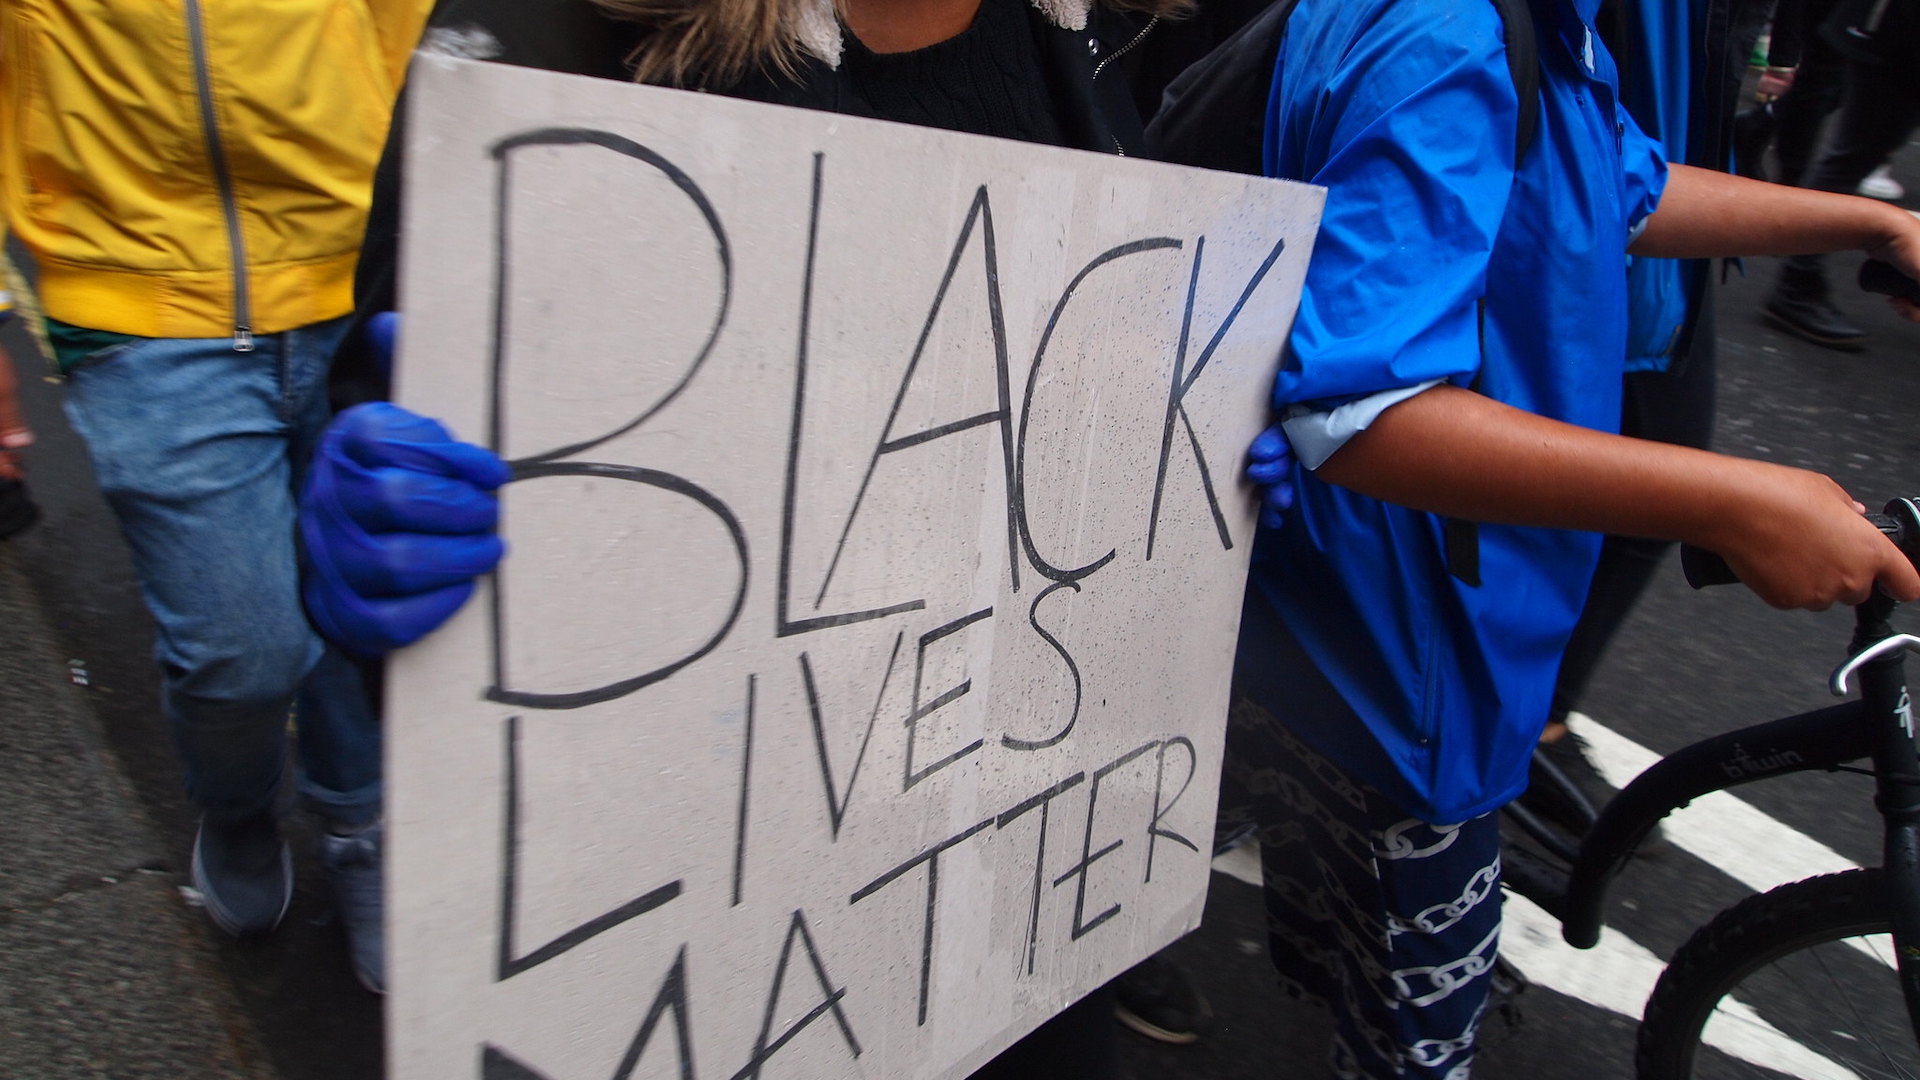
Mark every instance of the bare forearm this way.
pixel 1461 454
pixel 1705 214
pixel 1793 536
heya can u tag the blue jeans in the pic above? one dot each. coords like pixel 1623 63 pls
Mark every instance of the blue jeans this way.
pixel 199 450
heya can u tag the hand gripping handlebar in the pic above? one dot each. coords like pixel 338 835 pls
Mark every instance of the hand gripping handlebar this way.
pixel 1881 277
pixel 1901 523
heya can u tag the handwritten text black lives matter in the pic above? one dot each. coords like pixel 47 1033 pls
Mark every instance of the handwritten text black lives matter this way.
pixel 1169 759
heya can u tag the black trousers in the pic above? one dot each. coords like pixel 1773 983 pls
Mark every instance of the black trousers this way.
pixel 1667 406
pixel 1881 108
pixel 1819 86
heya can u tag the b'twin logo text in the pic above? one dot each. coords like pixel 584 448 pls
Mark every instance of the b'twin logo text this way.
pixel 1743 764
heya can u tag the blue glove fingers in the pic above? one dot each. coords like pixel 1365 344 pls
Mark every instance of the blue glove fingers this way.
pixel 402 564
pixel 1270 472
pixel 398 500
pixel 1270 465
pixel 383 434
pixel 375 576
pixel 372 627
pixel 380 330
pixel 1270 445
pixel 342 533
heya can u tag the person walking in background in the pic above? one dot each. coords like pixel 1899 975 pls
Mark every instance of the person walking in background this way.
pixel 1802 84
pixel 191 177
pixel 1878 41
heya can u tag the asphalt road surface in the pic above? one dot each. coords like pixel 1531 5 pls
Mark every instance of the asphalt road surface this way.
pixel 1690 664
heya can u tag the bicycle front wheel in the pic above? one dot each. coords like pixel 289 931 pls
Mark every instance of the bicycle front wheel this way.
pixel 1795 982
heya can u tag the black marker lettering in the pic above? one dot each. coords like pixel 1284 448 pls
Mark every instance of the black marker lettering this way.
pixel 503 154
pixel 931 857
pixel 535 465
pixel 1044 801
pixel 1081 925
pixel 652 478
pixel 980 212
pixel 837 803
pixel 762 1049
pixel 497 1064
pixel 951 695
pixel 1154 829
pixel 672 995
pixel 1017 495
pixel 746 782
pixel 1183 382
pixel 507 964
pixel 783 626
pixel 1073 670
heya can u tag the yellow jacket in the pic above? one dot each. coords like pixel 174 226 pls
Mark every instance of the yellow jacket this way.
pixel 148 148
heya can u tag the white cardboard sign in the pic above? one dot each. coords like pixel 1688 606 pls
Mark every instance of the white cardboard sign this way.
pixel 851 698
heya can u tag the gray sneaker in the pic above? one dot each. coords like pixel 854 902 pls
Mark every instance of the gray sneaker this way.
pixel 353 864
pixel 244 873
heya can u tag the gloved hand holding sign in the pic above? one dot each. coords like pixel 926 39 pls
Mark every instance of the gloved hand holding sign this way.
pixel 1270 465
pixel 396 521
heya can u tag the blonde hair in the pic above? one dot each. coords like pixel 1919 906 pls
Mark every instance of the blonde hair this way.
pixel 714 42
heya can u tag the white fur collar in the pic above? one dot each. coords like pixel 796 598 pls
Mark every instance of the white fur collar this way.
pixel 820 27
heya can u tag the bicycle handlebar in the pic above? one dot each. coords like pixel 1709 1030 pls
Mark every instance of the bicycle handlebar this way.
pixel 1901 523
pixel 1881 277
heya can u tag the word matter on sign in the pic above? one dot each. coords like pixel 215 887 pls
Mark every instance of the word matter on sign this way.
pixel 851 698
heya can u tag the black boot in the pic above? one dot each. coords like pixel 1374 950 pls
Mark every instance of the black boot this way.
pixel 1799 305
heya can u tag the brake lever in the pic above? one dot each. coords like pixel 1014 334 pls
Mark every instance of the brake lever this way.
pixel 1840 683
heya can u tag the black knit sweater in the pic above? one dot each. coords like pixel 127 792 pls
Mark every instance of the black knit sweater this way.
pixel 989 80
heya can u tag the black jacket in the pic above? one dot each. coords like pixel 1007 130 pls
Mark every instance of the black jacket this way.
pixel 1101 76
pixel 1876 31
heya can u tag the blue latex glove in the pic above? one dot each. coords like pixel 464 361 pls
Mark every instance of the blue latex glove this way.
pixel 1270 465
pixel 380 331
pixel 396 522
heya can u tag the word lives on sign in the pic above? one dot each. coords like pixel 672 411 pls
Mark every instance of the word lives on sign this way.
pixel 851 697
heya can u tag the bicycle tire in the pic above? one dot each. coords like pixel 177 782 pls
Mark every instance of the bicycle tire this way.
pixel 1762 951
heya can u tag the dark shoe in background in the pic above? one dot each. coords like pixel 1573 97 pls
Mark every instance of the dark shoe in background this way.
pixel 1815 319
pixel 244 873
pixel 17 509
pixel 1157 999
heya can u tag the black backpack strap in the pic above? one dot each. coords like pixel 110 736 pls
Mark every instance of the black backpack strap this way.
pixel 1523 62
pixel 1214 115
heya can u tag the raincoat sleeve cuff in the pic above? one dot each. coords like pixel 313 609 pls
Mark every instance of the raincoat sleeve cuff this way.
pixel 1316 434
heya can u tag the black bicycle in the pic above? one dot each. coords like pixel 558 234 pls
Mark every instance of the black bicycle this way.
pixel 1843 948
